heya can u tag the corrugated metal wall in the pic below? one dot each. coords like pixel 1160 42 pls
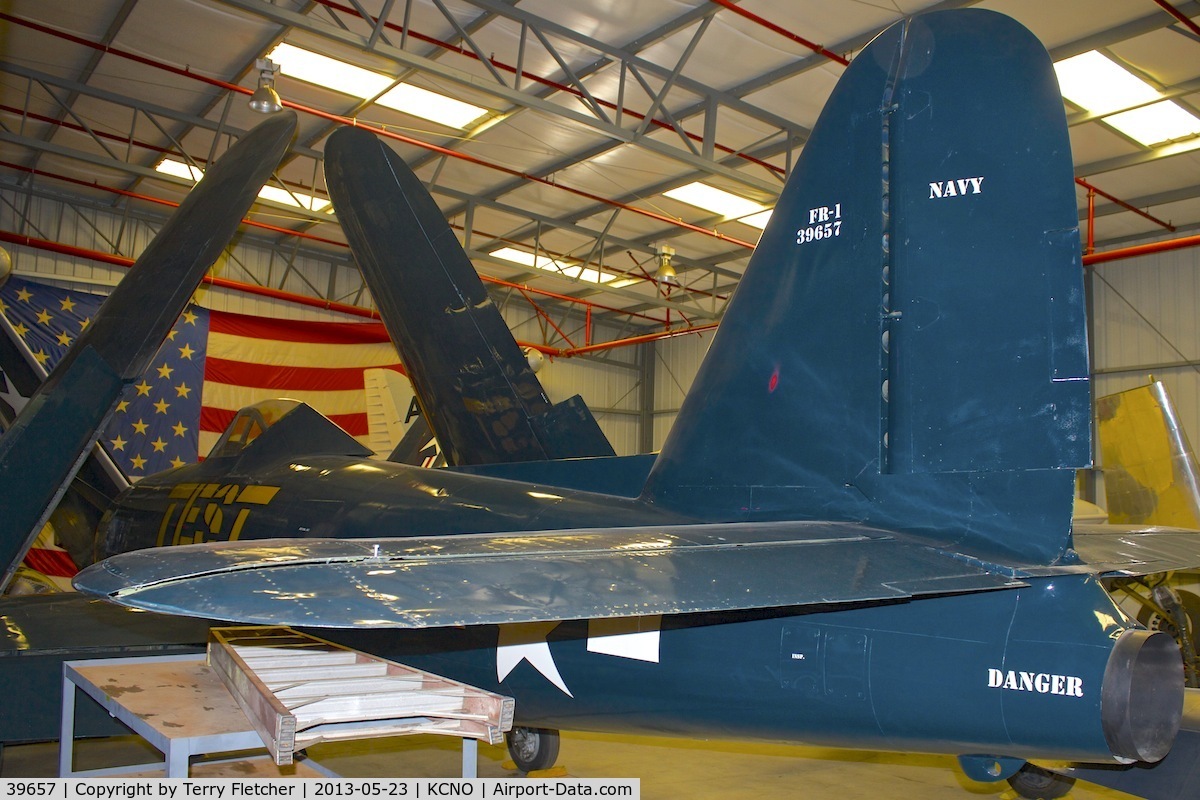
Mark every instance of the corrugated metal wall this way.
pixel 676 362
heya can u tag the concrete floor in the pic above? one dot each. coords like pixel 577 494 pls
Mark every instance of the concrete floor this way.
pixel 668 768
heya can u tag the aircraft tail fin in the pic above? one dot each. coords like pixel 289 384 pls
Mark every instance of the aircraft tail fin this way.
pixel 1151 476
pixel 907 347
pixel 471 376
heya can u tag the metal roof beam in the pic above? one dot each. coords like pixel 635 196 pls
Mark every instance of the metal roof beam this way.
pixel 428 65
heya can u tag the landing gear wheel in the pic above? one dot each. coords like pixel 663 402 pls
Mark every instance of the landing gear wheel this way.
pixel 1154 621
pixel 533 748
pixel 1039 784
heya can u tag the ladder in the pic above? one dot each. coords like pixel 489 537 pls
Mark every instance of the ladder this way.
pixel 298 690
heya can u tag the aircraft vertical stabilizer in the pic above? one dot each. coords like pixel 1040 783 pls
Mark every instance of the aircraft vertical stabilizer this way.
pixel 473 383
pixel 1150 471
pixel 51 436
pixel 907 347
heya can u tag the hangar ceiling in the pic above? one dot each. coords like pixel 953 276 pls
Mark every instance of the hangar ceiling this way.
pixel 592 109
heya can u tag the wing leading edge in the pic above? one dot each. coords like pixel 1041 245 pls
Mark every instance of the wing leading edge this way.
pixel 504 578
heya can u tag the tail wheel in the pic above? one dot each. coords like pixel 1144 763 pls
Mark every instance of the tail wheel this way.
pixel 1035 783
pixel 1154 621
pixel 533 748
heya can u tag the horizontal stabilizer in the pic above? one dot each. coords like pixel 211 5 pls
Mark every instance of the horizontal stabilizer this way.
pixel 1129 550
pixel 555 575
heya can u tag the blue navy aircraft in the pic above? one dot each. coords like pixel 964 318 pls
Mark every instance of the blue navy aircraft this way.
pixel 858 532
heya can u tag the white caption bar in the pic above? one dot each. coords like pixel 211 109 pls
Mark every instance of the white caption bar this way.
pixel 316 788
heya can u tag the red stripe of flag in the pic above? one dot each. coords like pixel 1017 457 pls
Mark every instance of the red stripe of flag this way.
pixel 264 376
pixel 290 330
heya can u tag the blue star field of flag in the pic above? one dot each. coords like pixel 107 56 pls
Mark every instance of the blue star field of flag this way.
pixel 155 425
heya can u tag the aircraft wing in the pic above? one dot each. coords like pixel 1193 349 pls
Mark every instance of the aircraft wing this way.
pixel 504 578
pixel 99 479
pixel 473 383
pixel 1131 550
pixel 42 450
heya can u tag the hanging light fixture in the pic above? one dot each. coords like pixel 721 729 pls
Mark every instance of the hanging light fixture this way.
pixel 666 272
pixel 265 99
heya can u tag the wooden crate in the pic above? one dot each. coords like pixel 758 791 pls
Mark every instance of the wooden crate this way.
pixel 298 690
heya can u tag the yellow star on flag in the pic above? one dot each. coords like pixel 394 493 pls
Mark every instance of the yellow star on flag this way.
pixel 24 295
pixel 165 371
pixel 41 357
pixel 138 462
pixel 183 390
pixel 161 406
pixel 171 336
pixel 118 443
pixel 186 352
pixel 159 445
pixel 44 317
pixel 140 427
pixel 122 406
pixel 143 388
pixel 189 318
pixel 177 462
pixel 180 429
pixel 21 329
pixel 64 340
pixel 67 304
pixel 84 322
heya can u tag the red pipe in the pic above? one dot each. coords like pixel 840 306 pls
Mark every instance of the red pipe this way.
pixel 647 337
pixel 1177 14
pixel 1091 223
pixel 546 317
pixel 1124 205
pixel 379 131
pixel 1141 250
pixel 771 26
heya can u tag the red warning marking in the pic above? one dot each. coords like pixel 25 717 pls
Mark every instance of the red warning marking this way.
pixel 774 382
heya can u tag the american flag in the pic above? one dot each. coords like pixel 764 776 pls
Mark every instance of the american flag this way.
pixel 211 365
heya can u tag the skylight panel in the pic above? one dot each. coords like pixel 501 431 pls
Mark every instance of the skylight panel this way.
pixel 718 201
pixel 1095 82
pixel 178 169
pixel 570 269
pixel 431 106
pixel 758 220
pixel 331 73
pixel 294 198
pixel 1156 124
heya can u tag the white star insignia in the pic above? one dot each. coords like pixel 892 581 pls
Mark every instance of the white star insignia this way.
pixel 527 642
